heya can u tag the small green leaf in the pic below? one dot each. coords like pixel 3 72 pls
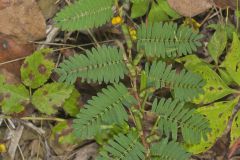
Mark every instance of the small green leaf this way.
pixel 215 87
pixel 70 106
pixel 168 10
pixel 62 132
pixel 232 60
pixel 47 98
pixel 217 43
pixel 36 69
pixel 157 14
pixel 139 9
pixel 12 97
pixel 218 115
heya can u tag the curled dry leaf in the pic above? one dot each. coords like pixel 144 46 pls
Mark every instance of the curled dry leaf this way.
pixel 23 19
pixel 190 8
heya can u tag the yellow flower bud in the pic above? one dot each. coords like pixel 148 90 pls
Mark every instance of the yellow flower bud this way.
pixel 117 20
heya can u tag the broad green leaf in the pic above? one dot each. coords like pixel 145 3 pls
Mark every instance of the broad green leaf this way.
pixel 12 97
pixel 62 132
pixel 139 9
pixel 70 106
pixel 36 69
pixel 157 14
pixel 217 43
pixel 218 115
pixel 232 60
pixel 47 98
pixel 215 87
pixel 235 130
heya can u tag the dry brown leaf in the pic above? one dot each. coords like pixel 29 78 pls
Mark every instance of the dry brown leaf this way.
pixel 190 8
pixel 23 19
pixel 11 49
pixel 226 3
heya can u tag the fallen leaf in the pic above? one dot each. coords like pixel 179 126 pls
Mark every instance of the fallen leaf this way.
pixel 190 8
pixel 226 3
pixel 22 19
pixel 49 8
pixel 11 49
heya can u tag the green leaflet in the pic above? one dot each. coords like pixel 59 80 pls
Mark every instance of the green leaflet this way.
pixel 168 150
pixel 104 109
pixel 232 60
pixel 218 115
pixel 36 69
pixel 12 97
pixel 167 40
pixel 62 132
pixel 85 14
pixel 70 106
pixel 47 98
pixel 139 8
pixel 175 116
pixel 101 64
pixel 217 43
pixel 159 11
pixel 123 147
pixel 215 87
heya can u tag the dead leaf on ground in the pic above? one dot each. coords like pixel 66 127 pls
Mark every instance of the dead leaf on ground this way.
pixel 226 3
pixel 23 19
pixel 190 8
pixel 48 7
pixel 11 49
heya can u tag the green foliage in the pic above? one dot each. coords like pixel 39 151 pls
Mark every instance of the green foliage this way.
pixel 123 147
pixel 174 116
pixel 70 106
pixel 47 98
pixel 159 11
pixel 106 107
pixel 37 69
pixel 168 151
pixel 218 115
pixel 13 98
pixel 232 60
pixel 217 43
pixel 62 133
pixel 167 40
pixel 85 14
pixel 215 87
pixel 103 64
pixel 185 85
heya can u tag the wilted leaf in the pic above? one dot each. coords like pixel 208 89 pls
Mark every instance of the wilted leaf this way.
pixel 218 115
pixel 215 87
pixel 12 97
pixel 71 105
pixel 232 60
pixel 51 96
pixel 36 69
pixel 217 43
pixel 190 8
pixel 23 19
